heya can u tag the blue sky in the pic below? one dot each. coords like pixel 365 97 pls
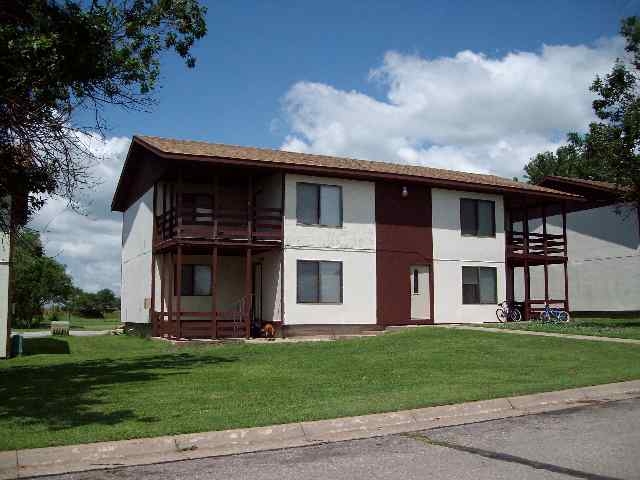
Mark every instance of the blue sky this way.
pixel 255 51
pixel 474 86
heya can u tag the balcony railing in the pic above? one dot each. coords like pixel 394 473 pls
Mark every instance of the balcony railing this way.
pixel 545 244
pixel 251 225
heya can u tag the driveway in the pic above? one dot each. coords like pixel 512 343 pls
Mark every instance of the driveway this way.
pixel 74 333
pixel 595 443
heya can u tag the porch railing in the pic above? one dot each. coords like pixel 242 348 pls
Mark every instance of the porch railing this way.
pixel 536 244
pixel 233 322
pixel 256 224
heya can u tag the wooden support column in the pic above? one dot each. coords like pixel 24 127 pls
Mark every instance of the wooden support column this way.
pixel 566 256
pixel 179 203
pixel 214 292
pixel 248 301
pixel 527 291
pixel 178 292
pixel 172 288
pixel 152 298
pixel 544 248
pixel 214 207
pixel 163 279
pixel 525 230
pixel 250 211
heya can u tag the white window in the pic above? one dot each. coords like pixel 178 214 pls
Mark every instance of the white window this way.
pixel 319 204
pixel 477 217
pixel 319 281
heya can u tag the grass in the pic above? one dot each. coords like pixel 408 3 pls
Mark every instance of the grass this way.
pixel 70 390
pixel 109 322
pixel 601 327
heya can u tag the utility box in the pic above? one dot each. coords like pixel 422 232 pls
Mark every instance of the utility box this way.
pixel 16 345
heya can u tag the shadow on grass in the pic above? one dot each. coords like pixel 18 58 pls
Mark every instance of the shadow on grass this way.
pixel 72 394
pixel 46 346
pixel 620 323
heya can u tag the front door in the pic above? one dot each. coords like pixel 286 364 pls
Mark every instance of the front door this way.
pixel 420 292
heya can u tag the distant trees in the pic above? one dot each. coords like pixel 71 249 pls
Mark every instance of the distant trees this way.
pixel 41 281
pixel 38 279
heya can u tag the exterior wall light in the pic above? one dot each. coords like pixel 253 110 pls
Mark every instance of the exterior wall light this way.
pixel 405 192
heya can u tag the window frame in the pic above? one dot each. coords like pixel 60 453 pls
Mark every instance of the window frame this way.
pixel 479 301
pixel 318 187
pixel 416 282
pixel 192 293
pixel 476 202
pixel 319 282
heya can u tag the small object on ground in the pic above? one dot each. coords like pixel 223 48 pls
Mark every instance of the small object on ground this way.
pixel 60 328
pixel 16 345
pixel 269 331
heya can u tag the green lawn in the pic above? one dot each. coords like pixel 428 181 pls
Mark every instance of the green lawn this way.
pixel 109 322
pixel 602 327
pixel 74 390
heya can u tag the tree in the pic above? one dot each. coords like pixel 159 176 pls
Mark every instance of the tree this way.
pixel 39 280
pixel 107 300
pixel 610 149
pixel 58 56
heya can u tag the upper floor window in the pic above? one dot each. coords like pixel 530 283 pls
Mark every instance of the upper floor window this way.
pixel 319 204
pixel 477 217
pixel 479 285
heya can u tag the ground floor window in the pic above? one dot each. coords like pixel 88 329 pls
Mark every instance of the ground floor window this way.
pixel 479 285
pixel 319 281
pixel 195 280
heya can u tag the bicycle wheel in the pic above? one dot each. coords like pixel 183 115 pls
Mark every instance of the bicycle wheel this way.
pixel 502 317
pixel 515 315
pixel 544 316
pixel 563 316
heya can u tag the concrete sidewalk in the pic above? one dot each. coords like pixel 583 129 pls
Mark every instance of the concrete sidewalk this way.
pixel 56 460
pixel 593 338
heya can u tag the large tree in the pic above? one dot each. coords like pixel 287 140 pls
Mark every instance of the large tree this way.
pixel 611 147
pixel 58 56
pixel 39 280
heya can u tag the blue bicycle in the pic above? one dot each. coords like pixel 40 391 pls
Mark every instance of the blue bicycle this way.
pixel 554 315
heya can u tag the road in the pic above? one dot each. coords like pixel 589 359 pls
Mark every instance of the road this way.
pixel 600 442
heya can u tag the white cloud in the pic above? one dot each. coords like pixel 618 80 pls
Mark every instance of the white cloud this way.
pixel 89 244
pixel 466 112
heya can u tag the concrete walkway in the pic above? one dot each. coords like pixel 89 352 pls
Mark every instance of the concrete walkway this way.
pixel 73 333
pixel 57 460
pixel 593 338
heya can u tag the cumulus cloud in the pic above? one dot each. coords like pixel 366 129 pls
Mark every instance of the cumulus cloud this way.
pixel 89 243
pixel 465 112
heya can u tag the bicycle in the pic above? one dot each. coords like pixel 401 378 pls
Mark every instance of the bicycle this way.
pixel 554 315
pixel 507 312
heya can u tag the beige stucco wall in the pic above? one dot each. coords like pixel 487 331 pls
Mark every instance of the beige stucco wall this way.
pixel 452 251
pixel 137 233
pixel 353 244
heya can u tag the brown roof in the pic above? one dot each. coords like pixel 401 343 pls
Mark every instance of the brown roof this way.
pixel 596 184
pixel 195 149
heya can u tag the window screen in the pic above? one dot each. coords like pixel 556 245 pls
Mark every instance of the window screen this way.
pixel 479 285
pixel 319 204
pixel 319 282
pixel 477 217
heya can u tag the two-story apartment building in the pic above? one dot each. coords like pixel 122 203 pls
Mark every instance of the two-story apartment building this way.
pixel 218 239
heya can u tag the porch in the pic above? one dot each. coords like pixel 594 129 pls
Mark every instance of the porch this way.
pixel 536 242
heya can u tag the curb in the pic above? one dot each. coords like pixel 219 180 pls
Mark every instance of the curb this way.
pixel 104 455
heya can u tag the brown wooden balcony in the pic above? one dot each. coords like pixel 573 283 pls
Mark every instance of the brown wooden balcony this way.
pixel 255 225
pixel 543 247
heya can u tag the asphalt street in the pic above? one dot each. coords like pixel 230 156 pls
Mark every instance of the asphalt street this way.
pixel 594 442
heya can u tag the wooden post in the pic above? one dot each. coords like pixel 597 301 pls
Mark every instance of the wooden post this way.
pixel 544 249
pixel 163 279
pixel 566 256
pixel 214 207
pixel 152 299
pixel 247 293
pixel 179 203
pixel 527 292
pixel 179 292
pixel 250 211
pixel 172 288
pixel 525 230
pixel 214 293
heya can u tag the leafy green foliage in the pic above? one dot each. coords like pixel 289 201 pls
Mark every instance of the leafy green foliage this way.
pixel 38 280
pixel 94 305
pixel 610 149
pixel 58 56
